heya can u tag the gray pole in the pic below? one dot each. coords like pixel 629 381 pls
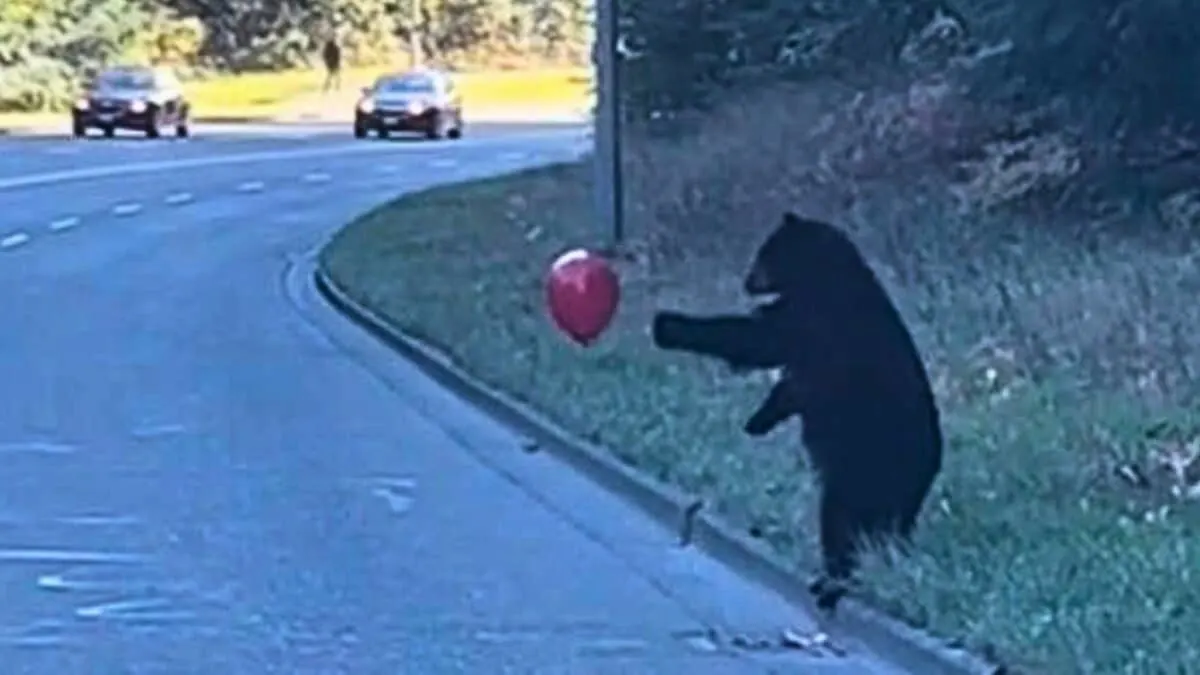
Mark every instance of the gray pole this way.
pixel 609 191
pixel 414 35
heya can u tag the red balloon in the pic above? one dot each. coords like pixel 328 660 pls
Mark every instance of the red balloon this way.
pixel 582 293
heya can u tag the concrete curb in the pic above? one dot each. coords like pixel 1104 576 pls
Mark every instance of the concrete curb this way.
pixel 905 646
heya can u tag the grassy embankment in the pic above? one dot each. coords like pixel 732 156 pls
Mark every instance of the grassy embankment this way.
pixel 1065 365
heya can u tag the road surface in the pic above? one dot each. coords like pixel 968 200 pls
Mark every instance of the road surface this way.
pixel 206 470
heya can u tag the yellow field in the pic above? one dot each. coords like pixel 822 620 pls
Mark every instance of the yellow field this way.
pixel 565 87
pixel 265 95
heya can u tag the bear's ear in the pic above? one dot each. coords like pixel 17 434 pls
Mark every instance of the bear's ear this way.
pixel 799 226
pixel 796 228
pixel 797 223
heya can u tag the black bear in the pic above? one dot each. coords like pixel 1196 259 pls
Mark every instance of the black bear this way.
pixel 852 372
pixel 780 403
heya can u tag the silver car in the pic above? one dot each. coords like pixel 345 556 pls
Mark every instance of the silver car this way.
pixel 423 101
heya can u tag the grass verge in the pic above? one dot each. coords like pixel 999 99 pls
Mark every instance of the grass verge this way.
pixel 1062 535
pixel 262 96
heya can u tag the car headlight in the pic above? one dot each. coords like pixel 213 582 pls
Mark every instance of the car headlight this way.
pixel 82 104
pixel 366 105
pixel 137 107
pixel 416 107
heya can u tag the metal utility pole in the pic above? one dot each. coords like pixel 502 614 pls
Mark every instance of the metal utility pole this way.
pixel 414 34
pixel 609 190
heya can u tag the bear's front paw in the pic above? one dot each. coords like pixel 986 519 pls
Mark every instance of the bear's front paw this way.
pixel 756 427
pixel 664 329
pixel 738 368
pixel 827 593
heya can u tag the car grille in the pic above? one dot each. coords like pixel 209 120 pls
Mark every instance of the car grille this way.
pixel 108 106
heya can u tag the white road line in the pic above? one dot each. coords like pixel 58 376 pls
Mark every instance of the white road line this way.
pixel 178 198
pixel 98 521
pixel 40 447
pixel 128 169
pixel 34 640
pixel 58 582
pixel 397 492
pixel 63 224
pixel 37 555
pixel 126 609
pixel 158 430
pixel 316 177
pixel 251 186
pixel 14 240
pixel 126 209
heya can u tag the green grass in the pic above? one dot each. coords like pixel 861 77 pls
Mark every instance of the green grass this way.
pixel 1054 361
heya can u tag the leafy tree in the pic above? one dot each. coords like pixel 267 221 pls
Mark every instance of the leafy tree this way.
pixel 46 44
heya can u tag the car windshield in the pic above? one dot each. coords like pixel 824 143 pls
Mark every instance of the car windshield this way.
pixel 411 84
pixel 125 79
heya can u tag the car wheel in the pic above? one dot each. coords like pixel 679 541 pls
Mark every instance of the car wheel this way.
pixel 435 130
pixel 455 133
pixel 183 124
pixel 153 123
pixel 360 131
pixel 78 130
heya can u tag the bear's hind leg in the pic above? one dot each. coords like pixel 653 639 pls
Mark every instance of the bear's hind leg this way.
pixel 840 530
pixel 846 527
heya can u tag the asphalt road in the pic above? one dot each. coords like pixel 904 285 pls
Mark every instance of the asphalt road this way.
pixel 206 470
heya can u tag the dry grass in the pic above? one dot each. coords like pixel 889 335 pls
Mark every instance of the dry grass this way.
pixel 1063 533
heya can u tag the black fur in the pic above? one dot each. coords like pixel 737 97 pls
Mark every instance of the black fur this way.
pixel 850 370
pixel 780 403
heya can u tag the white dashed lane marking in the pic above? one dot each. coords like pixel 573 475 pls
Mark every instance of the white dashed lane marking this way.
pixel 63 224
pixel 14 240
pixel 349 148
pixel 37 447
pixel 38 555
pixel 179 198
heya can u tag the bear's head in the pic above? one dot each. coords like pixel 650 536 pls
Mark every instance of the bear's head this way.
pixel 798 254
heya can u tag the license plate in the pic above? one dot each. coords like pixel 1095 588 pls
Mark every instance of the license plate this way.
pixel 106 117
pixel 392 119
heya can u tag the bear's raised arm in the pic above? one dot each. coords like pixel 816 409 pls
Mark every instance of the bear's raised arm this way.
pixel 740 340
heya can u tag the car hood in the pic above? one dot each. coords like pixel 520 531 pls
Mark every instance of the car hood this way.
pixel 122 95
pixel 402 100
